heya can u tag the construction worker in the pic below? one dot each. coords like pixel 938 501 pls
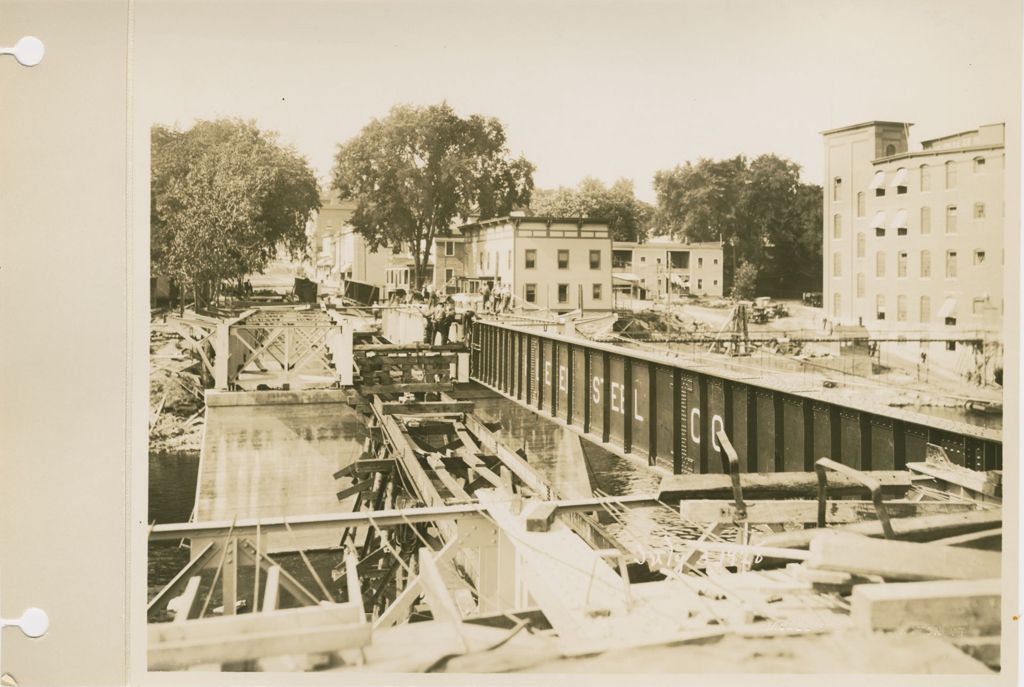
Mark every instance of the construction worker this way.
pixel 447 319
pixel 485 291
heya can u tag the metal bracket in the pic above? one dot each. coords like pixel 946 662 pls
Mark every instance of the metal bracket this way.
pixel 823 465
pixel 731 465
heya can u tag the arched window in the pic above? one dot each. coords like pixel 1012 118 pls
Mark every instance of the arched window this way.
pixel 926 309
pixel 901 308
pixel 860 204
pixel 951 174
pixel 979 164
pixel 926 220
pixel 837 301
pixel 879 307
pixel 837 226
pixel 860 285
pixel 890 150
pixel 860 244
pixel 950 219
pixel 926 178
pixel 926 263
pixel 880 264
pixel 837 264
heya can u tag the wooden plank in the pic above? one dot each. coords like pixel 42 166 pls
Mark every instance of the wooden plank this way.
pixel 355 488
pixel 399 608
pixel 186 600
pixel 286 582
pixel 331 627
pixel 522 469
pixel 446 478
pixel 949 608
pixel 408 388
pixel 990 540
pixel 899 560
pixel 920 529
pixel 442 606
pixel 895 483
pixel 396 408
pixel 369 465
pixel 194 566
pixel 987 483
pixel 270 592
pixel 839 512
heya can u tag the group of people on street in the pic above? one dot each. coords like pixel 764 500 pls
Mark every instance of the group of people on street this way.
pixel 498 300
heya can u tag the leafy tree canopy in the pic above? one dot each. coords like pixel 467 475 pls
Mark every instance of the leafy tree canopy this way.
pixel 760 207
pixel 416 170
pixel 627 216
pixel 224 196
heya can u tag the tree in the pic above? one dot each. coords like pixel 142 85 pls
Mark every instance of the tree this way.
pixel 627 216
pixel 760 207
pixel 416 170
pixel 744 284
pixel 224 196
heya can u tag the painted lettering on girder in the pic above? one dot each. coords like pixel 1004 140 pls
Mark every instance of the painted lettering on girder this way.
pixel 716 424
pixel 695 425
pixel 595 385
pixel 547 374
pixel 563 377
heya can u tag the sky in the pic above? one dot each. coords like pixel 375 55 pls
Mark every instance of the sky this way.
pixel 597 88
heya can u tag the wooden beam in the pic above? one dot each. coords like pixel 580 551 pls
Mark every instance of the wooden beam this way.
pixel 270 592
pixel 286 582
pixel 399 608
pixel 920 529
pixel 396 408
pixel 778 485
pixel 442 606
pixel 988 483
pixel 355 488
pixel 950 608
pixel 522 469
pixel 369 465
pixel 540 517
pixel 456 490
pixel 899 560
pixel 249 636
pixel 806 511
pixel 990 540
pixel 406 388
pixel 187 599
pixel 194 567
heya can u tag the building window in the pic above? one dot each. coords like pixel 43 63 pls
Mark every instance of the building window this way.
pixel 531 258
pixel 643 259
pixel 449 275
pixel 837 226
pixel 860 204
pixel 563 259
pixel 837 302
pixel 879 231
pixel 700 284
pixel 563 293
pixel 880 264
pixel 926 220
pixel 530 293
pixel 596 293
pixel 622 259
pixel 926 178
pixel 860 285
pixel 481 260
pixel 926 263
pixel 926 309
pixel 950 345
pixel 714 283
pixel 700 262
pixel 979 257
pixel 449 248
pixel 979 164
pixel 657 260
pixel 860 245
pixel 837 265
pixel 715 261
pixel 950 264
pixel 950 219
pixel 978 306
pixel 837 188
pixel 979 211
pixel 950 174
pixel 890 150
pixel 901 308
pixel 900 182
pixel 901 264
pixel 595 259
pixel 879 307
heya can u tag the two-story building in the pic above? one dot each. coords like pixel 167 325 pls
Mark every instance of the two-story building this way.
pixel 661 267
pixel 550 263
pixel 342 251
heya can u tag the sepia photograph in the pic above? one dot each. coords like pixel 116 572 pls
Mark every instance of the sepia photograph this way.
pixel 606 337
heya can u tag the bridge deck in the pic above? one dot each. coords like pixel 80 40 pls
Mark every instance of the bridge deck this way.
pixel 277 460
